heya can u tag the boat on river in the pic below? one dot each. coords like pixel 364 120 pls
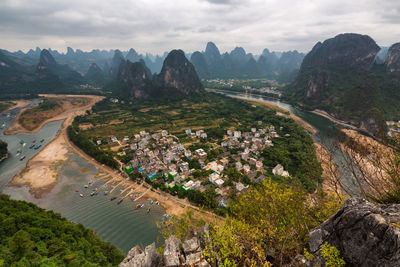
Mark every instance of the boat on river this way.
pixel 113 198
pixel 119 201
pixel 41 141
pixel 81 195
pixel 105 193
pixel 22 158
pixel 31 146
pixel 139 206
pixel 21 141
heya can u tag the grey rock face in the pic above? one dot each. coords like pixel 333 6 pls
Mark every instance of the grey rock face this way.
pixel 191 245
pixel 393 59
pixel 171 251
pixel 137 258
pixel 344 51
pixel 363 232
pixel 192 254
pixel 179 74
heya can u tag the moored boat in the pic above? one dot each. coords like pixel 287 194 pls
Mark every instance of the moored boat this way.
pixel 22 158
pixel 113 198
pixel 119 201
pixel 81 195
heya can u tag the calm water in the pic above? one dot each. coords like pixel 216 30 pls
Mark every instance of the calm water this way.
pixel 119 224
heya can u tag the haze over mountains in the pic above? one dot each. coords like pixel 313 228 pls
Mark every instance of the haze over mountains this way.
pixel 348 76
pixel 97 66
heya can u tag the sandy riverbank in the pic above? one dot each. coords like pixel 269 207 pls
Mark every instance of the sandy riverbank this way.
pixel 42 170
pixel 18 104
pixel 285 113
pixel 68 109
pixel 325 114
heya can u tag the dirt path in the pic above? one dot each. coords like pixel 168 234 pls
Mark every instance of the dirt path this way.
pixel 41 171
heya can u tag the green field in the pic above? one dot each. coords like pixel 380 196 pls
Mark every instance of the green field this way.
pixel 212 112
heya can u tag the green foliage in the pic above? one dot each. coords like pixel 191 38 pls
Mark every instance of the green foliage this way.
pixel 215 114
pixel 91 149
pixel 270 219
pixel 31 236
pixel 47 105
pixel 5 105
pixel 3 149
pixel 350 95
pixel 331 256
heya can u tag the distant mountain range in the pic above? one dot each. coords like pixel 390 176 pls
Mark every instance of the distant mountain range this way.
pixel 353 79
pixel 239 64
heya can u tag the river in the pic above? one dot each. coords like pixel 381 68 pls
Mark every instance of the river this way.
pixel 118 224
pixel 326 135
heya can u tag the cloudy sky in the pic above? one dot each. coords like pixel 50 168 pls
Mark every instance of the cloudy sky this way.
pixel 161 25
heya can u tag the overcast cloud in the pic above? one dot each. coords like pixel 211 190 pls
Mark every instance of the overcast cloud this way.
pixel 161 25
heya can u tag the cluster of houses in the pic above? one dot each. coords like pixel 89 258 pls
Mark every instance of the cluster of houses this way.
pixel 161 156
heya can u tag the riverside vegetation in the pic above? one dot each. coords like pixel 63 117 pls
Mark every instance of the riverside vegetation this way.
pixel 212 112
pixel 3 150
pixel 31 236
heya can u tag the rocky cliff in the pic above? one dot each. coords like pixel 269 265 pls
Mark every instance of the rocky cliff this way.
pixel 341 77
pixel 179 74
pixel 49 71
pixel 365 234
pixel 392 62
pixel 344 51
pixel 136 77
pixel 176 253
pixel 239 64
pixel 177 77
pixel 95 75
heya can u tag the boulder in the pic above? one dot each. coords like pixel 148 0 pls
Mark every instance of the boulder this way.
pixel 137 258
pixel 172 252
pixel 365 234
pixel 192 245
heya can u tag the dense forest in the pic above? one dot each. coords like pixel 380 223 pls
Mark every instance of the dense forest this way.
pixel 31 236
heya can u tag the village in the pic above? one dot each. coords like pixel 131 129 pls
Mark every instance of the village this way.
pixel 227 165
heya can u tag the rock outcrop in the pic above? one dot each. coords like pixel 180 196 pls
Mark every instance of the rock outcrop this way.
pixel 364 233
pixel 392 62
pixel 179 74
pixel 95 75
pixel 117 59
pixel 344 51
pixel 51 72
pixel 136 78
pixel 175 254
